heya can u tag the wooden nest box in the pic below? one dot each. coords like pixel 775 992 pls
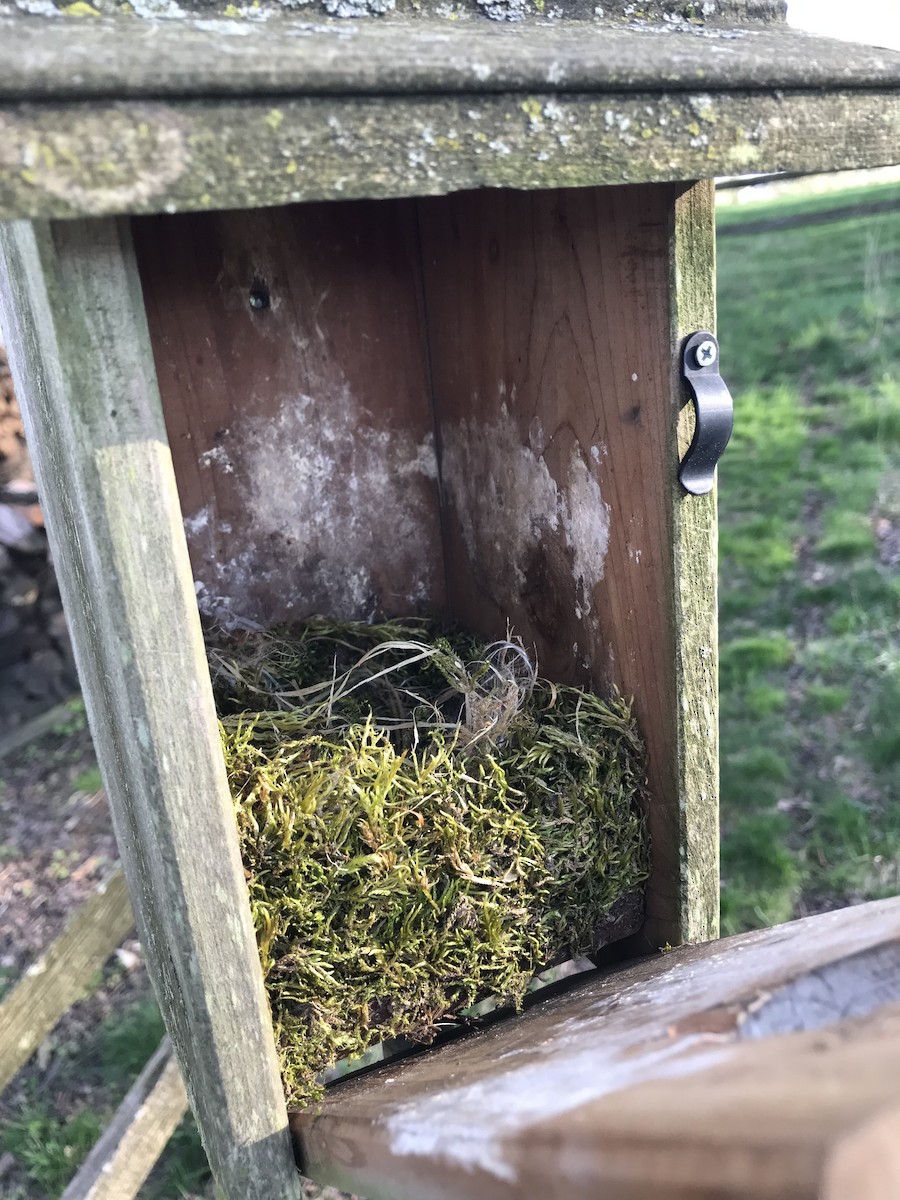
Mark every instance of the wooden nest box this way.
pixel 364 308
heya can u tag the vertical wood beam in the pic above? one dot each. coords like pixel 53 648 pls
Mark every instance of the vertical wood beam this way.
pixel 692 289
pixel 73 316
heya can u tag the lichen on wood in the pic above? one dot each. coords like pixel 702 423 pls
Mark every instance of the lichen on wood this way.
pixel 148 156
pixel 224 15
pixel 424 824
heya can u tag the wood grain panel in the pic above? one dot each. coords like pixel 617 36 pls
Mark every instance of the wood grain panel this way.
pixel 300 430
pixel 552 350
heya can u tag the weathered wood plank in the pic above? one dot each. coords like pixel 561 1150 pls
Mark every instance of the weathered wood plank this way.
pixel 37 727
pixel 137 1135
pixel 125 59
pixel 148 156
pixel 693 546
pixel 72 313
pixel 710 14
pixel 757 1068
pixel 63 973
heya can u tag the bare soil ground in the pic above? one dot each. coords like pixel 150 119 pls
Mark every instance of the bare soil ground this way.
pixel 57 838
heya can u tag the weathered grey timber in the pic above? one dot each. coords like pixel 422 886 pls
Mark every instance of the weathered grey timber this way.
pixel 179 107
pixel 735 1069
pixel 694 546
pixel 75 59
pixel 132 156
pixel 675 12
pixel 31 730
pixel 132 1142
pixel 62 974
pixel 72 313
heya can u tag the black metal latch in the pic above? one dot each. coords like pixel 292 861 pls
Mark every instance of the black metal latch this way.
pixel 715 413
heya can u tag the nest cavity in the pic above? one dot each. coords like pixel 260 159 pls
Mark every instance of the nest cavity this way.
pixel 424 824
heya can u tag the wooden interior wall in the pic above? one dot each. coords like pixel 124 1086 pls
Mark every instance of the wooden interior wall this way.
pixel 301 430
pixel 549 327
pixel 461 405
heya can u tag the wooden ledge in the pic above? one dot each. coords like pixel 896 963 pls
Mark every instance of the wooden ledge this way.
pixel 760 1066
pixel 107 157
pixel 78 58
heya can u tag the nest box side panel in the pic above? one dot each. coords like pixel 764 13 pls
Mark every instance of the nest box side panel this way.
pixel 291 357
pixel 71 308
pixel 552 348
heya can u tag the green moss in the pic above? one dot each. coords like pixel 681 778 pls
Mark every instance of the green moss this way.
pixel 428 827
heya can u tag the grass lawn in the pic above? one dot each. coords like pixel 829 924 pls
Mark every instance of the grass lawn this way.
pixel 809 504
pixel 53 1128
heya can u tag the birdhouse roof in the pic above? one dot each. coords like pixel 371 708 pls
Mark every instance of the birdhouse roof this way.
pixel 155 105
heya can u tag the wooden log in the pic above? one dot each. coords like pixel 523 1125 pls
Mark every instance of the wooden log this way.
pixel 62 974
pixel 72 313
pixel 762 1067
pixel 139 1132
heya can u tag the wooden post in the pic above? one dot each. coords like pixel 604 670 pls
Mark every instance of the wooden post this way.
pixel 73 316
pixel 62 974
pixel 131 1144
pixel 695 697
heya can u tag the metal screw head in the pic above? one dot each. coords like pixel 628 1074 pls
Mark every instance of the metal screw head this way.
pixel 706 353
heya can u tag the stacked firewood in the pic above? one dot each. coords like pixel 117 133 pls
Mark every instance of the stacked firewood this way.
pixel 36 666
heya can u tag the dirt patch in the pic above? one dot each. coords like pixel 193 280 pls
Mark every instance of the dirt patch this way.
pixel 57 840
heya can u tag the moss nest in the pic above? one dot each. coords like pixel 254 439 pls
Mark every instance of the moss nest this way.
pixel 424 824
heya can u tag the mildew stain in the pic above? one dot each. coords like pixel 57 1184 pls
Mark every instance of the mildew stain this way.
pixel 507 502
pixel 111 161
pixel 330 503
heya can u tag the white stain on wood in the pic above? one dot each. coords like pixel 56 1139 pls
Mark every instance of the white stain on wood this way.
pixel 507 502
pixel 327 497
pixel 534 1093
pixel 588 1057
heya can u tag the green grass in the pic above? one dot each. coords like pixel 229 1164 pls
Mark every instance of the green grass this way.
pixel 50 1146
pixel 50 1150
pixel 124 1044
pixel 809 321
pixel 89 780
pixel 182 1170
pixel 800 203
